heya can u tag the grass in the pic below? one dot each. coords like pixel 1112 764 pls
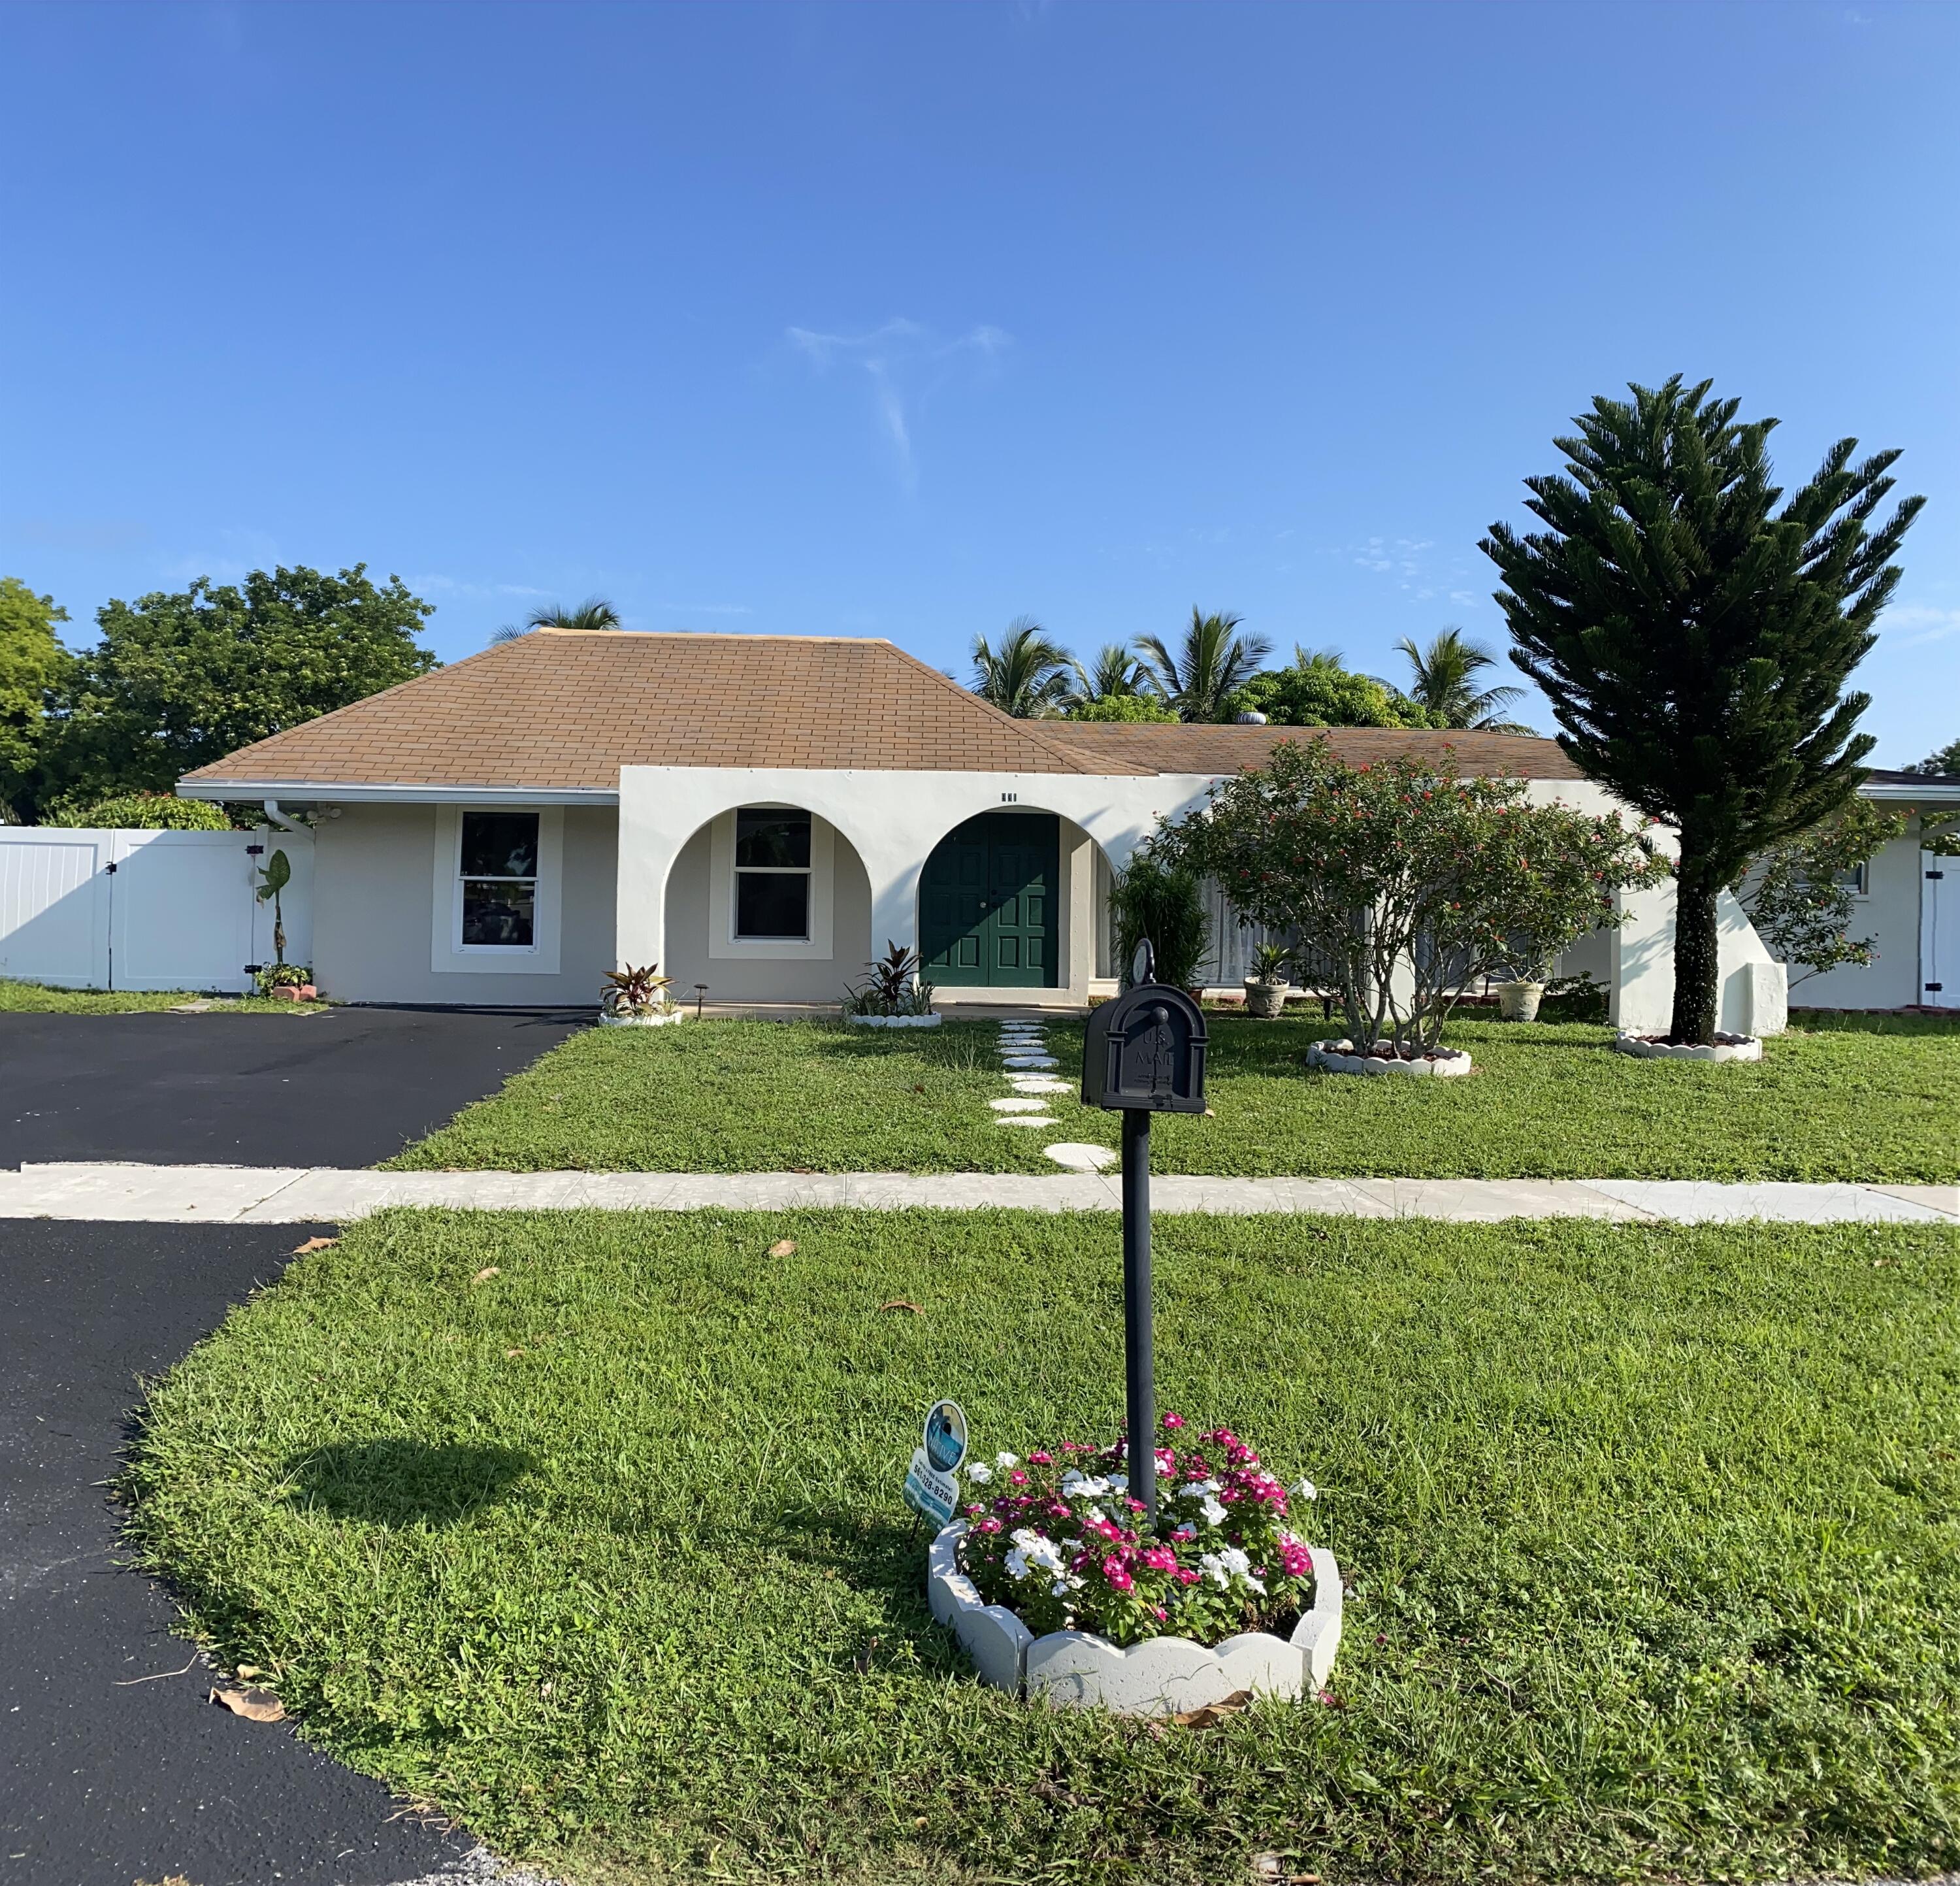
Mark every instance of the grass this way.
pixel 586 1528
pixel 42 998
pixel 1547 1101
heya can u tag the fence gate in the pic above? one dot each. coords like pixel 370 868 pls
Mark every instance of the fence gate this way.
pixel 1939 931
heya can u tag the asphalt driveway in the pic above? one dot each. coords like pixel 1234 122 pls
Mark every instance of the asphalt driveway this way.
pixel 109 1778
pixel 333 1087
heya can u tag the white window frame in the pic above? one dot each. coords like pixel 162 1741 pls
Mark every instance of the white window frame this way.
pixel 448 953
pixel 1863 888
pixel 722 944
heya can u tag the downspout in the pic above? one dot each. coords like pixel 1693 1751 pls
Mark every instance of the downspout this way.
pixel 274 817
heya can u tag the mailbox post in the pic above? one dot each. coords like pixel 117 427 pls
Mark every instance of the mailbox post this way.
pixel 1144 1053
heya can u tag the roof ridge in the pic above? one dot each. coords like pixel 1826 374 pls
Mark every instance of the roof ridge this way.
pixel 1023 727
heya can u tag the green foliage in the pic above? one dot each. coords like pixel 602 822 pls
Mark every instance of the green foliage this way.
pixel 274 876
pixel 1546 1102
pixel 594 615
pixel 32 662
pixel 178 680
pixel 141 812
pixel 1028 676
pixel 1445 681
pixel 1319 691
pixel 1159 898
pixel 273 976
pixel 1137 708
pixel 892 986
pixel 631 991
pixel 1695 639
pixel 1944 762
pixel 1116 675
pixel 1212 661
pixel 1404 884
pixel 1795 898
pixel 584 1528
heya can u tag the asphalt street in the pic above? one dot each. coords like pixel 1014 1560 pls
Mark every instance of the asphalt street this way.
pixel 107 1779
pixel 331 1087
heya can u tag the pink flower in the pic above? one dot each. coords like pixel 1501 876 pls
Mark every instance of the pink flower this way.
pixel 1114 1570
pixel 1186 1576
pixel 1018 1479
pixel 1173 1420
pixel 1160 1559
pixel 1039 1459
pixel 988 1524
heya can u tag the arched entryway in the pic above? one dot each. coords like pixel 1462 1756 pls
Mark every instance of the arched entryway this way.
pixel 991 904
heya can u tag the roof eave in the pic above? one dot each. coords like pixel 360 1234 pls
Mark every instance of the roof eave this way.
pixel 408 793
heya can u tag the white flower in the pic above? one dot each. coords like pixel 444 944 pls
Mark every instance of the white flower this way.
pixel 1221 1568
pixel 1212 1513
pixel 1006 1460
pixel 1213 1568
pixel 1194 1488
pixel 1017 1563
pixel 1062 1587
pixel 1121 1481
pixel 1305 1489
pixel 1081 1486
pixel 1235 1561
pixel 1034 1548
pixel 981 1475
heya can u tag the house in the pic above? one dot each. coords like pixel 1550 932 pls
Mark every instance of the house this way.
pixel 759 813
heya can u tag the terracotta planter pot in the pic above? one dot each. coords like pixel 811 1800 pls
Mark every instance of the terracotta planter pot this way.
pixel 1518 1002
pixel 1264 999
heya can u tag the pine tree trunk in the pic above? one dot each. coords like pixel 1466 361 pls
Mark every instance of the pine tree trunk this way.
pixel 1696 954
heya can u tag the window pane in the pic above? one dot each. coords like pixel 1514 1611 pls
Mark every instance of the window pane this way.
pixel 772 903
pixel 497 913
pixel 500 844
pixel 765 836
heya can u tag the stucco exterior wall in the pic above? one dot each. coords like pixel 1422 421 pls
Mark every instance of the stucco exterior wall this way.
pixel 375 912
pixel 1889 912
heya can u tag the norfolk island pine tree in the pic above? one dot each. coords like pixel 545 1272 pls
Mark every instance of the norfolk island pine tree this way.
pixel 1695 641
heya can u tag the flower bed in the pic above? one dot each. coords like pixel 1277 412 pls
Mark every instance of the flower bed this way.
pixel 1657 1047
pixel 1342 1057
pixel 1056 1584
pixel 640 1017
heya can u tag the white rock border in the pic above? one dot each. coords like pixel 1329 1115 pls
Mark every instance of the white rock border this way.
pixel 607 1020
pixel 1161 1675
pixel 932 1021
pixel 1736 1048
pixel 1338 1058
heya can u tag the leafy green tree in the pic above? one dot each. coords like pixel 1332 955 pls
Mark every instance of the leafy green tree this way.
pixel 140 812
pixel 1695 637
pixel 1160 898
pixel 1798 896
pixel 180 680
pixel 1445 678
pixel 1212 662
pixel 1131 707
pixel 1319 690
pixel 593 616
pixel 32 661
pixel 1946 761
pixel 1027 677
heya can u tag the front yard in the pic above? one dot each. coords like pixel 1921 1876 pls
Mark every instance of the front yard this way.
pixel 43 999
pixel 1879 1102
pixel 586 1528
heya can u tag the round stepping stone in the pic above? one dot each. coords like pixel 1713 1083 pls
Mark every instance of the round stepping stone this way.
pixel 1028 1060
pixel 1019 1105
pixel 1039 1083
pixel 1025 1119
pixel 1079 1159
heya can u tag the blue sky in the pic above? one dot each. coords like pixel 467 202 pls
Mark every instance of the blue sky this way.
pixel 871 320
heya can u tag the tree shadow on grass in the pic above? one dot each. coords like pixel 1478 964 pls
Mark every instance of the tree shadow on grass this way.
pixel 880 1555
pixel 403 1483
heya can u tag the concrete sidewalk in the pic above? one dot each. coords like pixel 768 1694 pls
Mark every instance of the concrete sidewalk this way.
pixel 259 1195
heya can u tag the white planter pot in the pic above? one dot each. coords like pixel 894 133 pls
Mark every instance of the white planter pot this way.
pixel 1726 1047
pixel 1264 999
pixel 1162 1676
pixel 1518 1002
pixel 1338 1057
pixel 607 1020
pixel 896 1021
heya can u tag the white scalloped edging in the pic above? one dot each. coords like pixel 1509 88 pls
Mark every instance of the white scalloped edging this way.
pixel 1162 1676
pixel 896 1021
pixel 608 1021
pixel 1738 1048
pixel 1339 1058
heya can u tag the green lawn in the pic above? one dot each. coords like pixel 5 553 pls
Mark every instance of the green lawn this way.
pixel 41 998
pixel 1548 1101
pixel 1653 1536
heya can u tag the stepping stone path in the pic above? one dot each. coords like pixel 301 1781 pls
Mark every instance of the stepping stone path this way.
pixel 1080 1158
pixel 1019 1105
pixel 1023 1050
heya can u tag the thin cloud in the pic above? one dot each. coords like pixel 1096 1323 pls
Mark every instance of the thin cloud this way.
pixel 705 609
pixel 1932 624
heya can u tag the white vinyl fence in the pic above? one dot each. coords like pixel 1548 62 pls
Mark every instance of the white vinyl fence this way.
pixel 87 909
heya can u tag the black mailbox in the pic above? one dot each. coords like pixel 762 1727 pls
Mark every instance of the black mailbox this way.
pixel 1144 1052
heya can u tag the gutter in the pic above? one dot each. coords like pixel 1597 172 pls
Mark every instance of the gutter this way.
pixel 270 792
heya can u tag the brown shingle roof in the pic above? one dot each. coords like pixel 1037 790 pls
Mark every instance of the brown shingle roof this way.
pixel 559 711
pixel 1201 749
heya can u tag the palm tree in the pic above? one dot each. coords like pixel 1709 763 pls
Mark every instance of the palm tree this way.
pixel 1445 681
pixel 594 614
pixel 1116 672
pixel 1214 660
pixel 1028 677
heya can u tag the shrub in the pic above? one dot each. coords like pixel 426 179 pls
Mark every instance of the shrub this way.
pixel 1404 884
pixel 892 986
pixel 1122 707
pixel 1162 899
pixel 273 976
pixel 636 991
pixel 142 812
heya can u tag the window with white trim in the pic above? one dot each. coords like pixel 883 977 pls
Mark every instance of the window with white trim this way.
pixel 772 874
pixel 1856 879
pixel 498 867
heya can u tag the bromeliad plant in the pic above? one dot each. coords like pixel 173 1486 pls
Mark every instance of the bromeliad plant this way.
pixel 636 991
pixel 892 986
pixel 1062 1544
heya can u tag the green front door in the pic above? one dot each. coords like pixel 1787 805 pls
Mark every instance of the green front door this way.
pixel 987 903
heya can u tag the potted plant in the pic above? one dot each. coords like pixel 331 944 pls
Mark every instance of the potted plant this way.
pixel 637 998
pixel 287 982
pixel 892 994
pixel 1518 997
pixel 1061 1589
pixel 1266 987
